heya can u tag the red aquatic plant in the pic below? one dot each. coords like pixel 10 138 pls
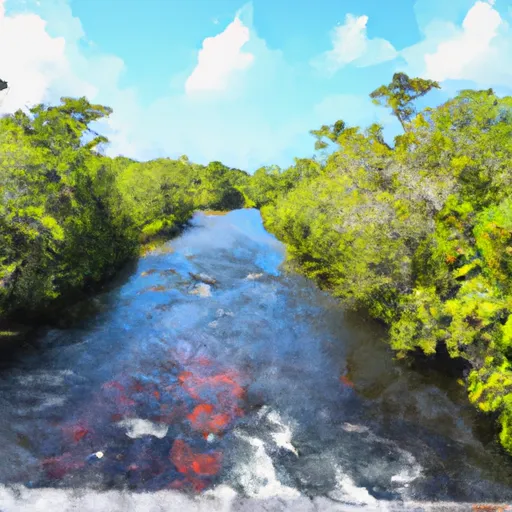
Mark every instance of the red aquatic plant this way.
pixel 113 384
pixel 220 397
pixel 225 383
pixel 75 432
pixel 204 419
pixel 189 462
pixel 203 396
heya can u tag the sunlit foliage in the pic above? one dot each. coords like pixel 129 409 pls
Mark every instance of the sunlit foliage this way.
pixel 419 233
pixel 70 217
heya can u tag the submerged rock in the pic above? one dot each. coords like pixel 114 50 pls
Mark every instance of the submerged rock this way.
pixel 204 278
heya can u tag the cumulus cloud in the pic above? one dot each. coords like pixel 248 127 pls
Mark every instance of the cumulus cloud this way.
pixel 351 45
pixel 219 58
pixel 239 101
pixel 477 51
pixel 31 61
pixel 230 127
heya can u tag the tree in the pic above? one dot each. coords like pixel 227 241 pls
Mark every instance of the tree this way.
pixel 330 133
pixel 65 125
pixel 400 93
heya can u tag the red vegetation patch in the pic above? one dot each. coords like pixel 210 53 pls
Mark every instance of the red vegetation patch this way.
pixel 75 433
pixel 221 389
pixel 224 382
pixel 188 462
pixel 203 419
pixel 183 376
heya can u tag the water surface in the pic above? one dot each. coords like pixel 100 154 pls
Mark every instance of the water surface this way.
pixel 259 382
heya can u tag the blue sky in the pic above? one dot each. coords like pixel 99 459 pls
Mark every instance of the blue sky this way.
pixel 244 83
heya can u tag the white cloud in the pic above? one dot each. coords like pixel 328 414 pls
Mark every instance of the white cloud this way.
pixel 231 127
pixel 30 61
pixel 351 45
pixel 219 58
pixel 477 51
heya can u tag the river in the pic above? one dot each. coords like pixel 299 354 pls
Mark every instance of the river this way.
pixel 257 384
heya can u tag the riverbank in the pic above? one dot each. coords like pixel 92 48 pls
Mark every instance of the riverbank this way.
pixel 71 217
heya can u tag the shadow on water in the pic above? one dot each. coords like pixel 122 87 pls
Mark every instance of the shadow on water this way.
pixel 82 312
pixel 208 364
pixel 85 309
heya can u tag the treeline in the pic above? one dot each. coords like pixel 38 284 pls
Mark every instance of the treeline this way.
pixel 418 233
pixel 71 217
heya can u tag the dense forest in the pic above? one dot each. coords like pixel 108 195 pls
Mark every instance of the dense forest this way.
pixel 70 217
pixel 418 232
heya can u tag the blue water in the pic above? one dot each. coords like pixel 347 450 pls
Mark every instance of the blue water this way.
pixel 292 394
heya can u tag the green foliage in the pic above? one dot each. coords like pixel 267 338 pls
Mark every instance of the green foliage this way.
pixel 419 234
pixel 400 94
pixel 70 217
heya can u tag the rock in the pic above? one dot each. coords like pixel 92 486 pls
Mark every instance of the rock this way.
pixel 137 427
pixel 204 278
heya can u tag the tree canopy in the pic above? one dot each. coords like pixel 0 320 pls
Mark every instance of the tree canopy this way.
pixel 70 216
pixel 419 234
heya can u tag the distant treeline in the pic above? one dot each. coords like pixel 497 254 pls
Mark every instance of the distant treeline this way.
pixel 418 233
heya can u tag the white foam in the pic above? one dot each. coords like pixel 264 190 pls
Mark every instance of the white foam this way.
pixel 253 277
pixel 283 439
pixel 222 312
pixel 347 491
pixel 203 290
pixel 137 427
pixel 221 499
pixel 259 478
pixel 408 473
pixel 410 469
pixel 47 401
pixel 348 427
pixel 55 378
pixel 222 492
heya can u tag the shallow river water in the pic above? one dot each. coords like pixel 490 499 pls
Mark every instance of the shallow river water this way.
pixel 257 384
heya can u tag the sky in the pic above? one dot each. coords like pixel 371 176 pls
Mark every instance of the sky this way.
pixel 243 83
